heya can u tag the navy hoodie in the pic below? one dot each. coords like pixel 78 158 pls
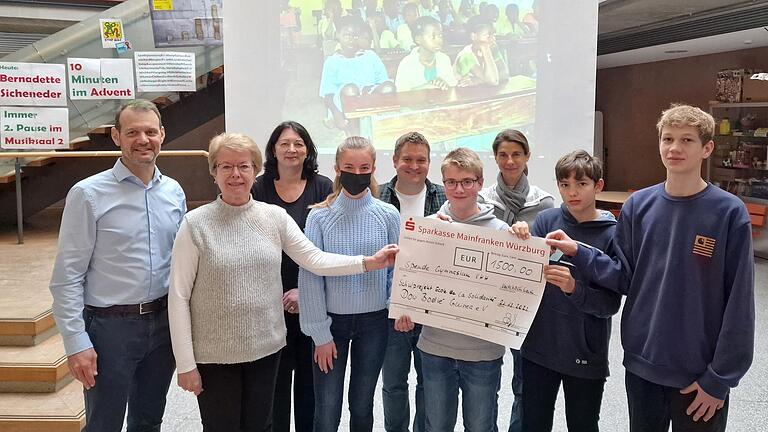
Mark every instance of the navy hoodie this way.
pixel 686 267
pixel 570 333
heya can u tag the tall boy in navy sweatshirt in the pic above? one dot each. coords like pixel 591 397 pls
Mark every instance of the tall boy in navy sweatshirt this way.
pixel 684 261
pixel 568 340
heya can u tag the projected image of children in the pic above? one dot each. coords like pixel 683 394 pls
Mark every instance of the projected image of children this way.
pixel 481 62
pixel 460 70
pixel 384 38
pixel 353 70
pixel 426 66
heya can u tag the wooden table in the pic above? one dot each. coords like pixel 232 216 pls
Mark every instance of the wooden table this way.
pixel 613 197
pixel 612 201
pixel 444 114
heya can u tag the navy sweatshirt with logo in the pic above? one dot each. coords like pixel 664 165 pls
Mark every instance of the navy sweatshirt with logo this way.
pixel 570 333
pixel 686 267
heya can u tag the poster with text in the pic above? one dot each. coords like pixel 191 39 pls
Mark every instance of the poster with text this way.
pixel 100 78
pixel 32 84
pixel 32 128
pixel 162 4
pixel 160 71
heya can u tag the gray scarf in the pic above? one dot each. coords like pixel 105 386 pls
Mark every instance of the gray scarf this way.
pixel 513 198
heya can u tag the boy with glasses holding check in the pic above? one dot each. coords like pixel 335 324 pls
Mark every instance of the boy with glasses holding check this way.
pixel 453 361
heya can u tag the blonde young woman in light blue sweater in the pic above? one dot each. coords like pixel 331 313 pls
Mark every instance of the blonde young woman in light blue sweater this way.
pixel 346 316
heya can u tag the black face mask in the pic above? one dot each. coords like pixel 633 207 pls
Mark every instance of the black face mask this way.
pixel 355 183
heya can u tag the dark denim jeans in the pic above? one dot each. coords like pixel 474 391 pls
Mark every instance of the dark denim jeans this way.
pixel 362 338
pixel 582 399
pixel 394 375
pixel 135 365
pixel 479 384
pixel 652 407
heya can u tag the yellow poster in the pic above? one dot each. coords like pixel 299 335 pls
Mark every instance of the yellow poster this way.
pixel 162 5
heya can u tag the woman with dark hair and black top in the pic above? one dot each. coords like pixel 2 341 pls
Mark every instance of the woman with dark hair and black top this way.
pixel 291 181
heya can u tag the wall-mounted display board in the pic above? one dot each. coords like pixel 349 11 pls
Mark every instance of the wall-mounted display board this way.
pixel 34 128
pixel 34 84
pixel 100 78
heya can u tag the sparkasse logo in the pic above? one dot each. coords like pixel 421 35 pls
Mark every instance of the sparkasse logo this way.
pixel 410 225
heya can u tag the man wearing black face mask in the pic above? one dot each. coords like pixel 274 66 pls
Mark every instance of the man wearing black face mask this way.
pixel 413 195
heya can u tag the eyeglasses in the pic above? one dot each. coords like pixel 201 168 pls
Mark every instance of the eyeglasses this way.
pixel 227 169
pixel 466 183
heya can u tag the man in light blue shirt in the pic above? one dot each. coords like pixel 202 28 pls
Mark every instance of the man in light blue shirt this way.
pixel 110 280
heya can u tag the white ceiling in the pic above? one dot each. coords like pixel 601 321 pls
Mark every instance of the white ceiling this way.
pixel 709 45
pixel 627 17
pixel 621 15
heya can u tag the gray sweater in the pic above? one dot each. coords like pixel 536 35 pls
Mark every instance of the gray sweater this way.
pixel 445 343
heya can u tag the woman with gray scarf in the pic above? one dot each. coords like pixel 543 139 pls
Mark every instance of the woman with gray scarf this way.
pixel 514 200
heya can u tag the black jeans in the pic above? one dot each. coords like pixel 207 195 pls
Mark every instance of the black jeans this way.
pixel 238 397
pixel 652 407
pixel 296 368
pixel 582 399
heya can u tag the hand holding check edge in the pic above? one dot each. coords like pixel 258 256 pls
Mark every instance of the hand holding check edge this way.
pixel 557 275
pixel 384 258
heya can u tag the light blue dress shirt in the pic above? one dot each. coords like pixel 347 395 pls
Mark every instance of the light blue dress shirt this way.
pixel 115 246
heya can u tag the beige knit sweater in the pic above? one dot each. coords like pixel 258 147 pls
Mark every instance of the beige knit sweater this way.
pixel 225 299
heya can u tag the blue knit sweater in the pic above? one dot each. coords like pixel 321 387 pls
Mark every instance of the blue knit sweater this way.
pixel 350 227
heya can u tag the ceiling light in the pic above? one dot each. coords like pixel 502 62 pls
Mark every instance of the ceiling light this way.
pixel 675 51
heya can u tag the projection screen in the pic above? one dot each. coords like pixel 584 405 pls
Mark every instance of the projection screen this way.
pixel 458 71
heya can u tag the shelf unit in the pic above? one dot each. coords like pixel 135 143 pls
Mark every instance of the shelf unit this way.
pixel 739 163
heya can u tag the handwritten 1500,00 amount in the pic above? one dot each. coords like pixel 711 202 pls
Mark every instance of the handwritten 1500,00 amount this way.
pixel 517 268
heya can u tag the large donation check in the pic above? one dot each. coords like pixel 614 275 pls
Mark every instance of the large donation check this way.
pixel 468 279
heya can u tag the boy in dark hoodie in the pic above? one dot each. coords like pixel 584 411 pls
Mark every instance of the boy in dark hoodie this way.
pixel 452 361
pixel 568 340
pixel 684 261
